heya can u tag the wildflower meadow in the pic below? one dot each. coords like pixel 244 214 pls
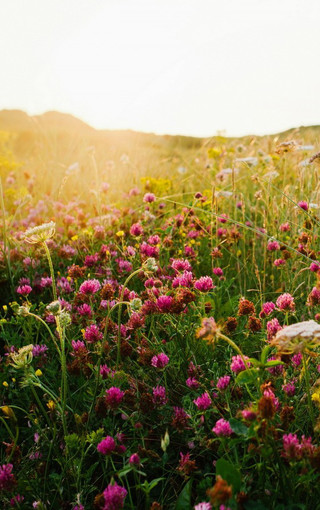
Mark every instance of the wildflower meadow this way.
pixel 159 322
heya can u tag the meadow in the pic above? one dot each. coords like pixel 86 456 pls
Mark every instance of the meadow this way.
pixel 160 319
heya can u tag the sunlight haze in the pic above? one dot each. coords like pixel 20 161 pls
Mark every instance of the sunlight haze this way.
pixel 170 66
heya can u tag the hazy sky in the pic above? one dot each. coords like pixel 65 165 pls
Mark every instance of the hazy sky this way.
pixel 168 66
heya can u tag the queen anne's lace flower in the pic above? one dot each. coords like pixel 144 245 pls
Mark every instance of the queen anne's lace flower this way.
pixel 40 234
pixel 297 337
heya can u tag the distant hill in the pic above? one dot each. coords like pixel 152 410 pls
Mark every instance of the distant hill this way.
pixel 19 121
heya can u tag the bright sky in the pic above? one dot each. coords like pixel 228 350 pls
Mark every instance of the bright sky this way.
pixel 167 66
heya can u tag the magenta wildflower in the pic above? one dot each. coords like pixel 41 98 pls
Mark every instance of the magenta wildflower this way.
pixel 106 446
pixel 149 197
pixel 237 364
pixel 159 395
pixel 90 287
pixel 192 383
pixel 46 282
pixel 296 359
pixel 24 290
pixel 314 297
pixel 248 415
pixel 181 265
pixel 291 446
pixel 92 334
pixel 203 402
pixel 222 428
pixel 303 205
pixel 114 496
pixel 84 310
pixel 267 309
pixel 39 351
pixel 223 382
pixel 204 284
pixel 273 327
pixel 203 506
pixel 104 371
pixel 136 229
pixel 279 262
pixel 314 266
pixel 78 345
pixel 160 360
pixel 289 389
pixel 273 246
pixel 134 459
pixel 7 479
pixel 164 303
pixel 16 500
pixel 276 370
pixel 285 302
pixel 183 280
pixel 285 227
pixel 114 397
pixel 218 271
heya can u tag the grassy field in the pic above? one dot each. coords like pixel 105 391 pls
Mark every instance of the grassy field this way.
pixel 160 319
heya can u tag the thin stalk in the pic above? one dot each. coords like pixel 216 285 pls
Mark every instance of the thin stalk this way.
pixel 6 254
pixel 306 378
pixel 54 288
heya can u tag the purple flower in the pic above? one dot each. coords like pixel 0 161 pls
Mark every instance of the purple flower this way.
pixel 289 389
pixel 303 205
pixel 237 364
pixel 203 506
pixel 285 302
pixel 273 327
pixel 164 303
pixel 180 265
pixel 24 290
pixel 160 360
pixel 267 308
pixel 223 382
pixel 114 496
pixel 136 229
pixel 203 402
pixel 39 350
pixel 192 383
pixel 93 334
pixel 134 459
pixel 204 284
pixel 159 395
pixel 149 197
pixel 90 287
pixel 222 428
pixel 114 397
pixel 106 446
pixel 7 479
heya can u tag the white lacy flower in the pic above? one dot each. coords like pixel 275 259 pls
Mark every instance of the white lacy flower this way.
pixel 297 337
pixel 40 233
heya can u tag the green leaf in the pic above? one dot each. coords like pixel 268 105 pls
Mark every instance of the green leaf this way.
pixel 264 354
pixel 248 376
pixel 184 499
pixel 255 362
pixel 238 427
pixel 228 472
pixel 273 363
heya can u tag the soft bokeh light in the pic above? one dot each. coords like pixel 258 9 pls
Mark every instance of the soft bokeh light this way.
pixel 170 66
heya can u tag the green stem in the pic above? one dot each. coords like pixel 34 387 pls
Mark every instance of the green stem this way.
pixel 306 378
pixel 54 289
pixel 48 329
pixel 40 405
pixel 119 313
pixel 6 254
